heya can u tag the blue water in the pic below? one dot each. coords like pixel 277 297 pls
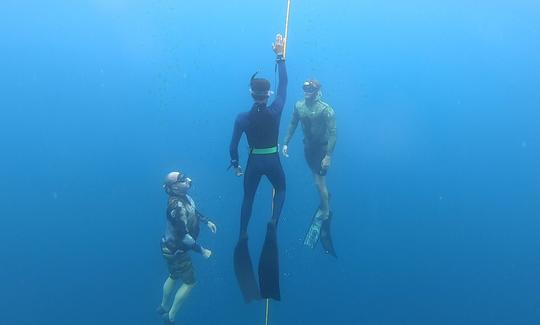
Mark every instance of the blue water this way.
pixel 435 182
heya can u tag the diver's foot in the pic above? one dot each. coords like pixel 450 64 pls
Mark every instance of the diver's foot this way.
pixel 323 215
pixel 166 319
pixel 162 310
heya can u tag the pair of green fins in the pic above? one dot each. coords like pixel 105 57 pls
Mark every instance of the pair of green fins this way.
pixel 268 284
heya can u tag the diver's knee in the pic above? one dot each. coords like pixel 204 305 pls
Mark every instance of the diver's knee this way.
pixel 189 284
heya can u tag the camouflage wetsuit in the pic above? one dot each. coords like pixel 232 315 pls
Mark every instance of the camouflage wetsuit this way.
pixel 319 127
pixel 180 237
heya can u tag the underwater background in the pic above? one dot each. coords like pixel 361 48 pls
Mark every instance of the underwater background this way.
pixel 435 179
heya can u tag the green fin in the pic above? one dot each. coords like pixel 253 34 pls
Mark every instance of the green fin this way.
pixel 326 237
pixel 312 236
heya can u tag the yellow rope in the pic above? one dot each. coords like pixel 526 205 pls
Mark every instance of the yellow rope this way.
pixel 287 29
pixel 267 310
pixel 273 195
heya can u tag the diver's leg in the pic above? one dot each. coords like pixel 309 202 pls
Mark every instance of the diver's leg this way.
pixel 179 299
pixel 168 288
pixel 243 268
pixel 252 177
pixel 314 156
pixel 269 260
pixel 276 176
pixel 320 183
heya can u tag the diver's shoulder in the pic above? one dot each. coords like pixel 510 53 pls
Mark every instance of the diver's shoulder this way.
pixel 301 105
pixel 190 201
pixel 324 104
pixel 326 107
pixel 242 117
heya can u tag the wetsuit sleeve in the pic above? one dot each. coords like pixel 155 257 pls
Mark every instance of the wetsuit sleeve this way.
pixel 281 95
pixel 189 242
pixel 235 140
pixel 202 218
pixel 292 126
pixel 332 133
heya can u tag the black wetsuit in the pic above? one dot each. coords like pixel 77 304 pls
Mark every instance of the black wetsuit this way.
pixel 261 125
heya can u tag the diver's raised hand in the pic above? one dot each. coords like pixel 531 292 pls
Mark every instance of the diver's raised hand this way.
pixel 206 253
pixel 212 227
pixel 285 150
pixel 279 46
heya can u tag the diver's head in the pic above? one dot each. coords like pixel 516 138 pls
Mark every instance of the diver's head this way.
pixel 311 89
pixel 260 89
pixel 177 184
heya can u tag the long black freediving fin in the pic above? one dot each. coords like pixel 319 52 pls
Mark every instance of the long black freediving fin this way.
pixel 326 237
pixel 243 270
pixel 269 265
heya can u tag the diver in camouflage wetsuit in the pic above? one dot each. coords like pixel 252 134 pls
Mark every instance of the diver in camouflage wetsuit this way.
pixel 319 127
pixel 183 221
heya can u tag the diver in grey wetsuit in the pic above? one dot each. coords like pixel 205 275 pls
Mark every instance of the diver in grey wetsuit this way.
pixel 180 237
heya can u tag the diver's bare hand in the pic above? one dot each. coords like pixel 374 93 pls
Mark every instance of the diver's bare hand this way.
pixel 279 45
pixel 285 151
pixel 326 162
pixel 206 253
pixel 238 171
pixel 212 227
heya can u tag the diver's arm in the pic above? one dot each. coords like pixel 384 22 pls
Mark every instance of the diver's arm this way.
pixel 279 47
pixel 235 140
pixel 188 242
pixel 204 219
pixel 332 132
pixel 281 95
pixel 292 127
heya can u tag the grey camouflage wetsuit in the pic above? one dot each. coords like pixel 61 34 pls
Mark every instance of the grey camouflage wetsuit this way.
pixel 180 237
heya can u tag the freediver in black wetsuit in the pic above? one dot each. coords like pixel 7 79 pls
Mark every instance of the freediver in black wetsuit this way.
pixel 261 126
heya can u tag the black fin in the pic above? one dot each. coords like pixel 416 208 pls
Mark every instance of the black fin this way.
pixel 243 269
pixel 269 265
